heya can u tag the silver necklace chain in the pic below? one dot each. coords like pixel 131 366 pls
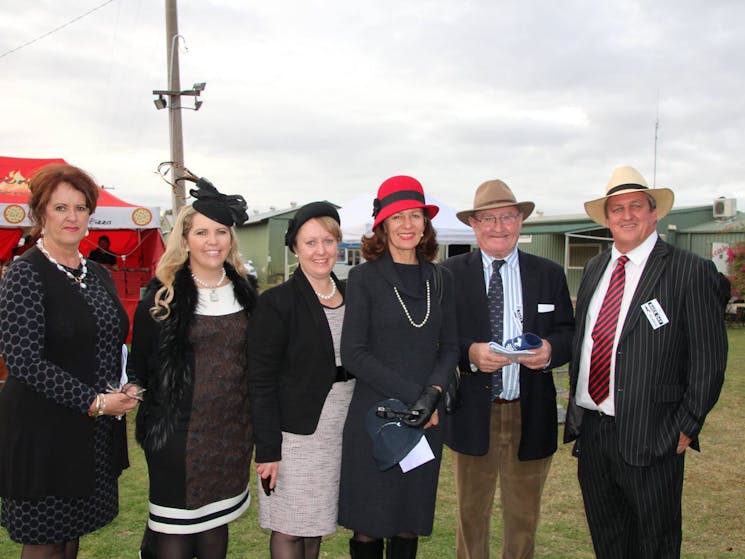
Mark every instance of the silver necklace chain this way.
pixel 406 311
pixel 77 279
pixel 330 295
pixel 213 294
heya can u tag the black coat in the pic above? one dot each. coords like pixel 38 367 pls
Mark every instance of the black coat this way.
pixel 162 359
pixel 392 359
pixel 46 447
pixel 291 363
pixel 547 311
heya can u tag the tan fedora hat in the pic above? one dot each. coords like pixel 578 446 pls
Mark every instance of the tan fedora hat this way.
pixel 494 194
pixel 622 181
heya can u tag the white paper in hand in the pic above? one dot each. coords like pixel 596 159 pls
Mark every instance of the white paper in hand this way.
pixel 513 354
pixel 124 379
pixel 420 454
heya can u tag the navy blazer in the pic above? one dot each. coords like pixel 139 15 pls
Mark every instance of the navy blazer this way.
pixel 668 379
pixel 543 283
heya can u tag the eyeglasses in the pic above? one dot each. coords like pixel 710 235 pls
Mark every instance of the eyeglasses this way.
pixel 385 412
pixel 491 220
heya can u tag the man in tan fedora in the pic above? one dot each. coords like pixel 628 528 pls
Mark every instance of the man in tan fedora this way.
pixel 506 428
pixel 648 364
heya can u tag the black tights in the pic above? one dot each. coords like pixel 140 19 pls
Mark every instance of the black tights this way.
pixel 363 538
pixel 284 546
pixel 210 544
pixel 64 550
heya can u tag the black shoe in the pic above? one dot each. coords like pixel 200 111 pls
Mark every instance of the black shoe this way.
pixel 365 550
pixel 401 548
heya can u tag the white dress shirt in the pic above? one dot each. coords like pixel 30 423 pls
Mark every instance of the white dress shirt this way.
pixel 634 267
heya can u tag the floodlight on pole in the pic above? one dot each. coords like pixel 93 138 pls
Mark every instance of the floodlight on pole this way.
pixel 171 99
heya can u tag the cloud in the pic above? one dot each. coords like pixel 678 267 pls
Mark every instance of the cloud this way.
pixel 310 100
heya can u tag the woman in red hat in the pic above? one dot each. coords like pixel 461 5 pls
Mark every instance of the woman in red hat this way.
pixel 399 339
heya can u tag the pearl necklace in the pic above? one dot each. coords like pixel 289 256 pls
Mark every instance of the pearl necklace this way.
pixel 330 295
pixel 77 279
pixel 214 296
pixel 406 311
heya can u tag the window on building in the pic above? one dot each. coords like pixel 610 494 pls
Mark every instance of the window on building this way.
pixel 579 254
pixel 350 256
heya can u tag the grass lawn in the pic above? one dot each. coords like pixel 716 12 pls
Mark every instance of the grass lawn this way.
pixel 713 499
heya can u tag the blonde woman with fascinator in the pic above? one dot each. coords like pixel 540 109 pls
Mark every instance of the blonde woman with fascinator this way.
pixel 189 353
pixel 61 333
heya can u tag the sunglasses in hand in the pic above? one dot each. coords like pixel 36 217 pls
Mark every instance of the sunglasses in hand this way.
pixel 265 482
pixel 384 412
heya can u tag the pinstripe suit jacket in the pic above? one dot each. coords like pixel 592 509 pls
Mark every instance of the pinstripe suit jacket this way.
pixel 666 380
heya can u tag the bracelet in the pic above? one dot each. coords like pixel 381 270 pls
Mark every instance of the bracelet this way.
pixel 96 408
pixel 102 407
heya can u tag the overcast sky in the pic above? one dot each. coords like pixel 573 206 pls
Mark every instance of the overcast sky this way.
pixel 324 99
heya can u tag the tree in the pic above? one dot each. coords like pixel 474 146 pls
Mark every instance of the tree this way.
pixel 736 259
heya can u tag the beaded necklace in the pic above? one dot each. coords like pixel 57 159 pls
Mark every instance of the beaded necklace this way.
pixel 77 279
pixel 327 297
pixel 406 311
pixel 214 296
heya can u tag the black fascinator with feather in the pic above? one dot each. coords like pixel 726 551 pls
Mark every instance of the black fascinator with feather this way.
pixel 226 209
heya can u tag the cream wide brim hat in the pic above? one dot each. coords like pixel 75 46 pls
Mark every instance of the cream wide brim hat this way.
pixel 623 181
pixel 494 194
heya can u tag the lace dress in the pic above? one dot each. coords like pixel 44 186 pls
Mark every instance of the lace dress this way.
pixel 305 499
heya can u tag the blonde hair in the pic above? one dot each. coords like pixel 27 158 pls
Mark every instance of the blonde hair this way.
pixel 176 256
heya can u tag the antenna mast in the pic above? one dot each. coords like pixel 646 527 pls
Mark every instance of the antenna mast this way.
pixel 656 129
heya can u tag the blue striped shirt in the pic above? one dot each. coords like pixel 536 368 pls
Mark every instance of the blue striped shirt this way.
pixel 513 314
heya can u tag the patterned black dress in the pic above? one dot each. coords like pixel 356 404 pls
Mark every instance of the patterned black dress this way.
pixel 57 519
pixel 200 479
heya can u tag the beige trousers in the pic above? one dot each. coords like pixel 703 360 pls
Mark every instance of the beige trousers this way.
pixel 520 488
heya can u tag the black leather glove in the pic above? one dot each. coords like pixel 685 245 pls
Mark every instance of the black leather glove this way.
pixel 424 407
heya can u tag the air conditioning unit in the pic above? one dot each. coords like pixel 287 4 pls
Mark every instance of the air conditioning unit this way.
pixel 725 207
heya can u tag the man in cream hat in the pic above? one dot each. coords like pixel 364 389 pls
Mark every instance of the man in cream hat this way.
pixel 649 357
pixel 505 430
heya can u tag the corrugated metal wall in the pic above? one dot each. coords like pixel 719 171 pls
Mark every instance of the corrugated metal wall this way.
pixel 700 243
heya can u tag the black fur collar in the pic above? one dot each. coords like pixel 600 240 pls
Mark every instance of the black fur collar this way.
pixel 173 374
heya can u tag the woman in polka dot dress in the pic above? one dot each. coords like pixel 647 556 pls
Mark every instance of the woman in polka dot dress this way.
pixel 61 332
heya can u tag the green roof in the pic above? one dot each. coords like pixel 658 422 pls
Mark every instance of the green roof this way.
pixel 565 227
pixel 577 223
pixel 734 225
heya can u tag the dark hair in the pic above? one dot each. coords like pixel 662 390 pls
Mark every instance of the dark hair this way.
pixel 374 247
pixel 44 182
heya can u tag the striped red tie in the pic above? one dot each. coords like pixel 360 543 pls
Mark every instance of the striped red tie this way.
pixel 604 333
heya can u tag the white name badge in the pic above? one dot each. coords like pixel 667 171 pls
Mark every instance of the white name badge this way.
pixel 655 314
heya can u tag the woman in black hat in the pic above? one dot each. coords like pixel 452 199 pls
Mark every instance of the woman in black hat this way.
pixel 400 342
pixel 189 353
pixel 299 390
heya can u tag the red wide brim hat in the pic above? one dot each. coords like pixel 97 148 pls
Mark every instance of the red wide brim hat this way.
pixel 398 194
